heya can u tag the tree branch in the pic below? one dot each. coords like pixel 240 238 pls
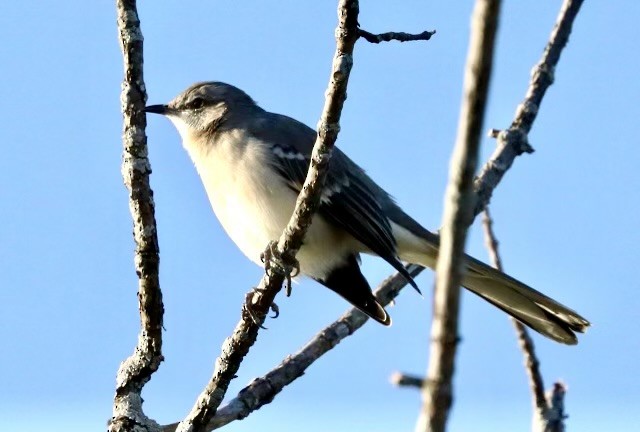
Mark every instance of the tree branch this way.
pixel 281 257
pixel 398 36
pixel 136 370
pixel 458 215
pixel 405 380
pixel 514 141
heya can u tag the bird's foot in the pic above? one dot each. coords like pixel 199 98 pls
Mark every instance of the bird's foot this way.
pixel 251 313
pixel 274 261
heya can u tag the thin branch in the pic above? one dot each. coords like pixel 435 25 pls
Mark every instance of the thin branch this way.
pixel 283 255
pixel 136 370
pixel 514 141
pixel 263 390
pixel 404 380
pixel 398 36
pixel 531 363
pixel 458 215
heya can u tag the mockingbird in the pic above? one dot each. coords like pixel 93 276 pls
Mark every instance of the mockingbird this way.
pixel 253 164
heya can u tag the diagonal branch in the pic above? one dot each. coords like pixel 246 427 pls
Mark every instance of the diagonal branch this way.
pixel 458 215
pixel 514 141
pixel 397 36
pixel 136 370
pixel 283 254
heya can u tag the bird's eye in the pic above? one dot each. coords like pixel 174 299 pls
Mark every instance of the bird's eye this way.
pixel 196 103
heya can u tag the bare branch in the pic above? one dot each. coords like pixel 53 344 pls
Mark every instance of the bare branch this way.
pixel 458 215
pixel 532 365
pixel 514 141
pixel 263 390
pixel 398 36
pixel 404 380
pixel 283 255
pixel 136 370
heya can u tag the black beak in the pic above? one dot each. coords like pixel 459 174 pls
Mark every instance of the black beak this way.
pixel 157 109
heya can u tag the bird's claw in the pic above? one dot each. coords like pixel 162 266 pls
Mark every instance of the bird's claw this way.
pixel 254 315
pixel 275 309
pixel 249 312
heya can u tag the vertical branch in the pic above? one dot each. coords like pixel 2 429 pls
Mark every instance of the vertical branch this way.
pixel 136 370
pixel 458 215
pixel 531 363
pixel 283 253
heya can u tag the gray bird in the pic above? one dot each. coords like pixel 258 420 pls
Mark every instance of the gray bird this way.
pixel 253 164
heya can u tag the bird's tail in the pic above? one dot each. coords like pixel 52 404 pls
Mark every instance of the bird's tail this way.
pixel 531 307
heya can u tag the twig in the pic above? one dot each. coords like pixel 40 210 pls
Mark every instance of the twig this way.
pixel 262 390
pixel 260 300
pixel 458 215
pixel 532 365
pixel 404 380
pixel 136 370
pixel 514 141
pixel 398 36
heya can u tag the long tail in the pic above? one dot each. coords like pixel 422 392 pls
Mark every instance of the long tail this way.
pixel 531 307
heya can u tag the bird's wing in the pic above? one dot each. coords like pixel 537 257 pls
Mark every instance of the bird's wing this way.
pixel 350 199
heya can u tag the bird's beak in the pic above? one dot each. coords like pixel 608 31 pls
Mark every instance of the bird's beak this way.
pixel 157 109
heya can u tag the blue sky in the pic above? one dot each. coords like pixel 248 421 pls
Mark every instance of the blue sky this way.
pixel 566 216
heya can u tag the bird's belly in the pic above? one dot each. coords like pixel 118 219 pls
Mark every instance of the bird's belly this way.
pixel 253 212
pixel 254 205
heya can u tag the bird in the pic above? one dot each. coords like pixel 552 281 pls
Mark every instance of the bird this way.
pixel 253 164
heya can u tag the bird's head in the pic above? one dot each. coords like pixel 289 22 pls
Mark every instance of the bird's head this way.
pixel 203 108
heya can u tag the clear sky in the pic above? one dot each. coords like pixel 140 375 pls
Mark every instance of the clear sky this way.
pixel 566 216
